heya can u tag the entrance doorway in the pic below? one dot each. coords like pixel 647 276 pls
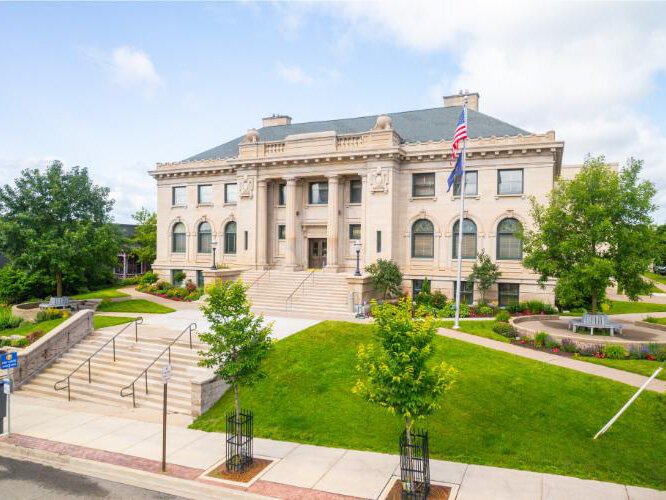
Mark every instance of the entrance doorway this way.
pixel 316 253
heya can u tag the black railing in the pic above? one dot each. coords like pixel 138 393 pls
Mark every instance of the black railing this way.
pixel 144 373
pixel 267 272
pixel 289 303
pixel 239 441
pixel 58 386
pixel 414 465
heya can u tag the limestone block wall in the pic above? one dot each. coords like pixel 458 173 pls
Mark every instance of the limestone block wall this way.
pixel 206 392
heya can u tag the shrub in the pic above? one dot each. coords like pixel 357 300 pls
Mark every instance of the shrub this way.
pixel 386 277
pixel 48 314
pixel 514 308
pixel 177 293
pixel 449 311
pixel 149 278
pixel 179 277
pixel 5 341
pixel 162 285
pixel 504 329
pixel 549 309
pixel 22 342
pixel 190 286
pixel 439 300
pixel 485 310
pixel 17 285
pixel 540 339
pixel 7 319
pixel 638 351
pixel 569 345
pixel 33 336
pixel 657 351
pixel 552 343
pixel 590 350
pixel 502 315
pixel 615 351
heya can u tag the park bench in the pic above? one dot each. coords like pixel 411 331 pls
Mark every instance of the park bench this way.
pixel 57 303
pixel 598 321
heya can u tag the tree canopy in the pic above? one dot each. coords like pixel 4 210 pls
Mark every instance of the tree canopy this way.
pixel 596 231
pixel 58 224
pixel 144 242
pixel 484 273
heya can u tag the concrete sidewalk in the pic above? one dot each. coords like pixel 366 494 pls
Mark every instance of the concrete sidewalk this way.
pixel 552 359
pixel 298 471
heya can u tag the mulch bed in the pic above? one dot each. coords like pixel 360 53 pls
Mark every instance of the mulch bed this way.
pixel 437 492
pixel 258 464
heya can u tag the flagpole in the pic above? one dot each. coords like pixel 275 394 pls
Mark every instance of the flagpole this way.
pixel 456 323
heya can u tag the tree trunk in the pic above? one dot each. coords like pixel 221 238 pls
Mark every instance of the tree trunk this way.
pixel 58 283
pixel 594 303
pixel 410 479
pixel 239 426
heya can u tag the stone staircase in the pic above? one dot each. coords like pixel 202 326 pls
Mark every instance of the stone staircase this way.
pixel 108 377
pixel 322 294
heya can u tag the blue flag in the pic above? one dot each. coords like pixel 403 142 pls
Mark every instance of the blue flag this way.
pixel 456 172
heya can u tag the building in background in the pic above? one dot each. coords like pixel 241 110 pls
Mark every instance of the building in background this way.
pixel 128 264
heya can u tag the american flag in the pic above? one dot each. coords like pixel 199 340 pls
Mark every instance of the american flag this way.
pixel 459 135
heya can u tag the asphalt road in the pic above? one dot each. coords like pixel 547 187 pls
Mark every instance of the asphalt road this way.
pixel 27 480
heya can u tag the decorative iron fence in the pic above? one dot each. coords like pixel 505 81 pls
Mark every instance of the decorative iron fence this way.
pixel 414 465
pixel 239 441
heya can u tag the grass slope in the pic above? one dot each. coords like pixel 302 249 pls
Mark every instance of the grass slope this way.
pixel 626 306
pixel 106 293
pixel 481 328
pixel 656 277
pixel 135 306
pixel 106 321
pixel 640 366
pixel 47 326
pixel 503 410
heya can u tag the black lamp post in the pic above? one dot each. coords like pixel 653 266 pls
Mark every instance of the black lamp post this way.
pixel 357 248
pixel 213 244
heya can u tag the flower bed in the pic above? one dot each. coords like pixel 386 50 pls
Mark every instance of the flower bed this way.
pixel 187 293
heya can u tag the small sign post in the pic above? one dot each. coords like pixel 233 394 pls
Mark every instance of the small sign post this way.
pixel 8 361
pixel 166 376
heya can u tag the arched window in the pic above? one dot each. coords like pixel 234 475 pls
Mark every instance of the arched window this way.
pixel 230 237
pixel 468 239
pixel 423 239
pixel 509 246
pixel 178 238
pixel 204 238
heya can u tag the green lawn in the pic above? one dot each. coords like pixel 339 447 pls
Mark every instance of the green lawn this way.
pixel 640 366
pixel 106 321
pixel 626 306
pixel 482 328
pixel 28 328
pixel 658 321
pixel 503 410
pixel 656 277
pixel 106 293
pixel 134 306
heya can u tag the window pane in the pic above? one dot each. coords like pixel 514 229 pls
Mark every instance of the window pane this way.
pixel 282 194
pixel 471 184
pixel 200 279
pixel 423 185
pixel 178 238
pixel 379 241
pixel 204 238
pixel 354 231
pixel 318 193
pixel 230 238
pixel 417 285
pixel 355 191
pixel 468 241
pixel 466 292
pixel 282 232
pixel 206 193
pixel 509 246
pixel 230 193
pixel 510 182
pixel 509 293
pixel 178 195
pixel 423 245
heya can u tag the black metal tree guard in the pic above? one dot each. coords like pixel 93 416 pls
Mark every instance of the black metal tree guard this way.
pixel 239 441
pixel 414 465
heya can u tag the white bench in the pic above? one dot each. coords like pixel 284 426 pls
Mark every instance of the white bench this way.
pixel 56 303
pixel 598 321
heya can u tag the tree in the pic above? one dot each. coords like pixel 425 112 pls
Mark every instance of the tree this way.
pixel 396 374
pixel 58 223
pixel 595 232
pixel 660 257
pixel 386 277
pixel 238 340
pixel 144 242
pixel 484 273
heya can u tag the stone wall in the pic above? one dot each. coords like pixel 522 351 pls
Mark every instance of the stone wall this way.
pixel 206 392
pixel 51 346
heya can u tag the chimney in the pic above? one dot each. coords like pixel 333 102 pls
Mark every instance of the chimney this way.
pixel 272 121
pixel 457 100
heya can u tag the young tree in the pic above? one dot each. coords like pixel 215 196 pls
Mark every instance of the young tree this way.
pixel 58 223
pixel 386 277
pixel 484 273
pixel 595 231
pixel 238 340
pixel 396 374
pixel 144 241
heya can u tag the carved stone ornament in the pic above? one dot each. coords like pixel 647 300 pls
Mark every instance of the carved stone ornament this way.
pixel 383 123
pixel 378 180
pixel 251 136
pixel 245 187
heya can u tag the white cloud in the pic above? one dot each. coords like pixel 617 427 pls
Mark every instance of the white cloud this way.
pixel 294 74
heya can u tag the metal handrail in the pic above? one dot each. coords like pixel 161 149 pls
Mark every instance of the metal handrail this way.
pixel 57 385
pixel 256 282
pixel 290 299
pixel 144 372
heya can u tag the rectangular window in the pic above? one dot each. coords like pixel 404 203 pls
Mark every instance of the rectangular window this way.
pixel 231 193
pixel 282 232
pixel 245 240
pixel 205 193
pixel 379 241
pixel 466 292
pixel 417 285
pixel 471 184
pixel 176 273
pixel 200 279
pixel 178 195
pixel 318 193
pixel 510 181
pixel 355 191
pixel 509 293
pixel 423 185
pixel 354 231
pixel 282 194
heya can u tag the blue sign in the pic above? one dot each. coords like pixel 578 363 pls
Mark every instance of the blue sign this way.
pixel 9 360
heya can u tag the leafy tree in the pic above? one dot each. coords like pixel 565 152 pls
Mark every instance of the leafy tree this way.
pixel 484 273
pixel 238 340
pixel 58 223
pixel 386 277
pixel 144 242
pixel 395 374
pixel 595 232
pixel 660 257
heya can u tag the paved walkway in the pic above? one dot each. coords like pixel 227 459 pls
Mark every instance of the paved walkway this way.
pixel 552 359
pixel 298 471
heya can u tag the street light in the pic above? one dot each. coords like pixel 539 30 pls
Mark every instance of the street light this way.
pixel 357 248
pixel 213 244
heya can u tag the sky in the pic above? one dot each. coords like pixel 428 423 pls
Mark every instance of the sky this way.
pixel 118 87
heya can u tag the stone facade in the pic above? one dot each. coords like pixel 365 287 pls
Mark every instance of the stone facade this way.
pixel 265 207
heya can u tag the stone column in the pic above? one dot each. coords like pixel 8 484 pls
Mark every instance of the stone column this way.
pixel 290 256
pixel 262 223
pixel 332 227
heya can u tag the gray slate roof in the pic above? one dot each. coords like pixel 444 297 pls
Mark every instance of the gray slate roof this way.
pixel 413 126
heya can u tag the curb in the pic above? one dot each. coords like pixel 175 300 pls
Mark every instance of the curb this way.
pixel 132 477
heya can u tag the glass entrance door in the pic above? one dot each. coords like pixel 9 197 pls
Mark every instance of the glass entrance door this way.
pixel 316 253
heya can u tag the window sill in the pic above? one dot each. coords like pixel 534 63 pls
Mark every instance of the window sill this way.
pixel 230 203
pixel 354 204
pixel 417 198
pixel 467 197
pixel 179 206
pixel 517 195
pixel 312 205
pixel 205 204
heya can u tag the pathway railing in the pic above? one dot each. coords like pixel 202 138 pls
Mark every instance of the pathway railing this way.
pixel 289 303
pixel 144 373
pixel 63 384
pixel 267 272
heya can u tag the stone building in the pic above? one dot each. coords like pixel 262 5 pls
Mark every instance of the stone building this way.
pixel 296 196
